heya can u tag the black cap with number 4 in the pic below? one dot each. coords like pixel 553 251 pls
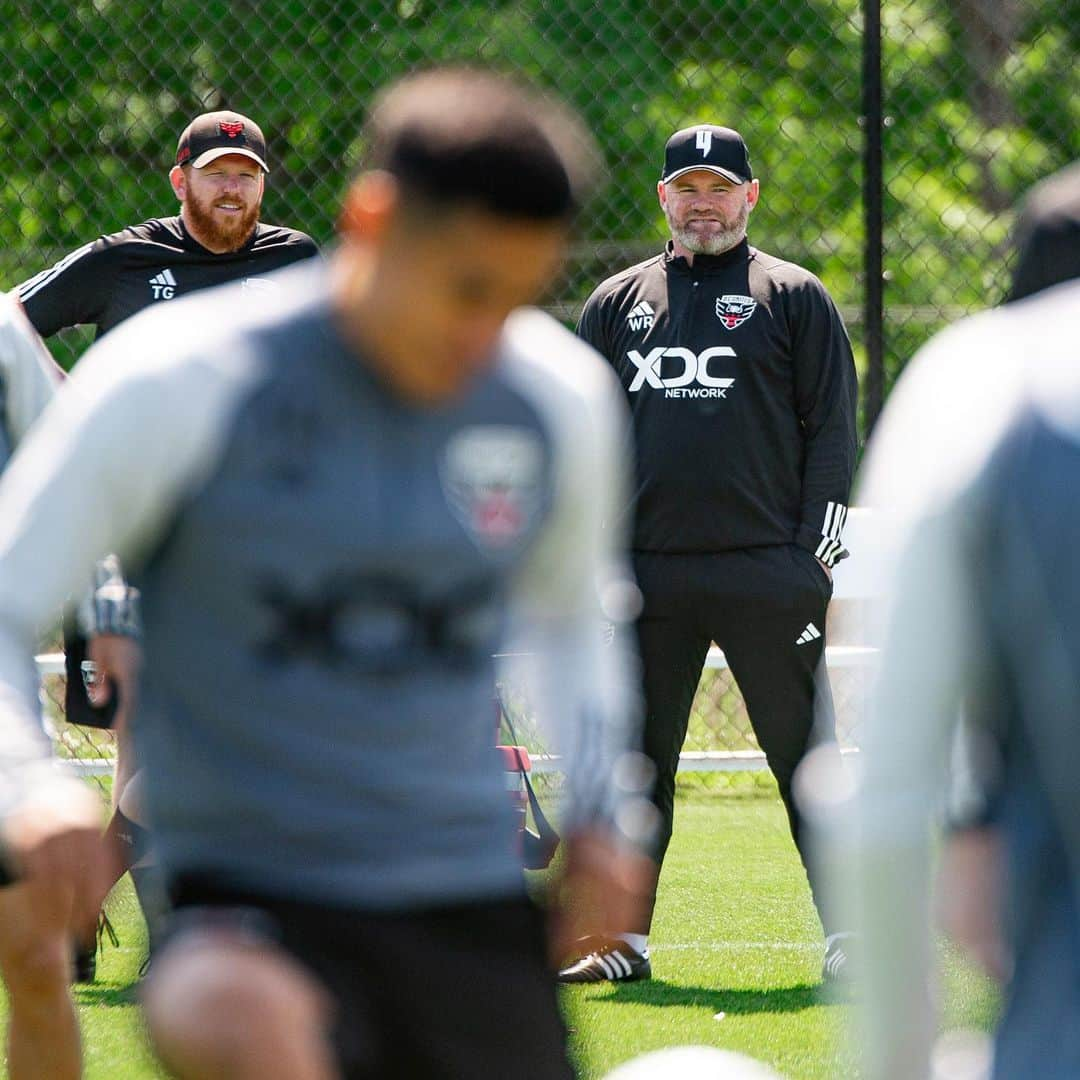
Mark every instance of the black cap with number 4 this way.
pixel 707 146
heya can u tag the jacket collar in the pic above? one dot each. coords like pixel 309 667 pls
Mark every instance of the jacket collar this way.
pixel 706 264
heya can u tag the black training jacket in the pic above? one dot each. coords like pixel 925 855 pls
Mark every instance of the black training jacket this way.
pixel 742 385
pixel 111 278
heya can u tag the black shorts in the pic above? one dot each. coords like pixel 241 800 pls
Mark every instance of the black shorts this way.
pixel 456 992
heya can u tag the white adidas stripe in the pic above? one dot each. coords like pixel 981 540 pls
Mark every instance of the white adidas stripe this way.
pixel 835 518
pixel 827 550
pixel 40 280
pixel 168 276
pixel 610 969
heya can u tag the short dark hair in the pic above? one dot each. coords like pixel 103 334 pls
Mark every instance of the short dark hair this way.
pixel 1047 234
pixel 474 137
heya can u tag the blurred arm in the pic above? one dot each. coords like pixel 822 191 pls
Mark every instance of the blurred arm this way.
pixel 29 375
pixel 929 656
pixel 585 691
pixel 100 471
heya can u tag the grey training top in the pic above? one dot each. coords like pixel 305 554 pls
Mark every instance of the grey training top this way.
pixel 326 573
pixel 950 413
pixel 28 378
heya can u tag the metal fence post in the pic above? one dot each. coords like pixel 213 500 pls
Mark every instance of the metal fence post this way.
pixel 873 197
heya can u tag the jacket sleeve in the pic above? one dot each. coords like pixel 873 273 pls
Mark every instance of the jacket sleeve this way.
pixel 307 249
pixel 592 326
pixel 825 400
pixel 72 292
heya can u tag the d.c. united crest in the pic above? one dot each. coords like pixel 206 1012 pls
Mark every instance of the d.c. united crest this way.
pixel 492 476
pixel 733 310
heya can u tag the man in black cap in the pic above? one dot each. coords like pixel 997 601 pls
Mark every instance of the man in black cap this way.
pixel 741 381
pixel 219 175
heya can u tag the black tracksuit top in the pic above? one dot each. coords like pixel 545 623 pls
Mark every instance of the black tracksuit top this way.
pixel 114 277
pixel 742 385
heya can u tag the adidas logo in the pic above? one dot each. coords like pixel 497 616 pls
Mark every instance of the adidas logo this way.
pixel 164 285
pixel 811 633
pixel 641 316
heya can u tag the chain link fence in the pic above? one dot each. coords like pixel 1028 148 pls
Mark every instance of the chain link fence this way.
pixel 980 99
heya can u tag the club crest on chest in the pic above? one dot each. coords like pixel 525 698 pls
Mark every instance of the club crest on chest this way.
pixel 734 310
pixel 492 476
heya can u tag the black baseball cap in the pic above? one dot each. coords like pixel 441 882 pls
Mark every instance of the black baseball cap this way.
pixel 215 134
pixel 707 146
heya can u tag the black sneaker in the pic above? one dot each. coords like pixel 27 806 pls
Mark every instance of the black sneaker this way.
pixel 86 955
pixel 86 964
pixel 609 960
pixel 836 970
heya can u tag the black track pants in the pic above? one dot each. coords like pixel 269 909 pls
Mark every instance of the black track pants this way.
pixel 765 607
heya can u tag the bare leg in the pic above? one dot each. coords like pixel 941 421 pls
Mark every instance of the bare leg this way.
pixel 35 959
pixel 222 1008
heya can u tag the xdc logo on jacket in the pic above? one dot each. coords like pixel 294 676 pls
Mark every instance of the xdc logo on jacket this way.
pixel 693 381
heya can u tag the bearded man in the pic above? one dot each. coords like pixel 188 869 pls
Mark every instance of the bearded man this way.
pixel 740 379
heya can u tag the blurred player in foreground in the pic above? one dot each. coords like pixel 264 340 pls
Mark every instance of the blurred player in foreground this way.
pixel 973 473
pixel 337 510
pixel 43 1038
pixel 219 178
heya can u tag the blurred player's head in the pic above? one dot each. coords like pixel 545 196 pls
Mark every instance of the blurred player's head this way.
pixel 460 214
pixel 1048 235
pixel 707 189
pixel 218 178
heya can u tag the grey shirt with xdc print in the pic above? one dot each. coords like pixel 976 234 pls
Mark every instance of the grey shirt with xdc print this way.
pixel 326 574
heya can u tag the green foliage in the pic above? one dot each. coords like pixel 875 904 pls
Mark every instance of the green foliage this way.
pixel 98 91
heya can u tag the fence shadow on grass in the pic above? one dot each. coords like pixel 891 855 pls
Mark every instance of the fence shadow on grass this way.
pixel 657 992
pixel 108 995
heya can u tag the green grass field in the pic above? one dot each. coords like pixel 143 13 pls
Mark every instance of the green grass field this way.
pixel 736 959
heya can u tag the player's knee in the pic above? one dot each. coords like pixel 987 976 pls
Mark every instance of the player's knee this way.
pixel 221 1010
pixel 34 938
pixel 35 961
